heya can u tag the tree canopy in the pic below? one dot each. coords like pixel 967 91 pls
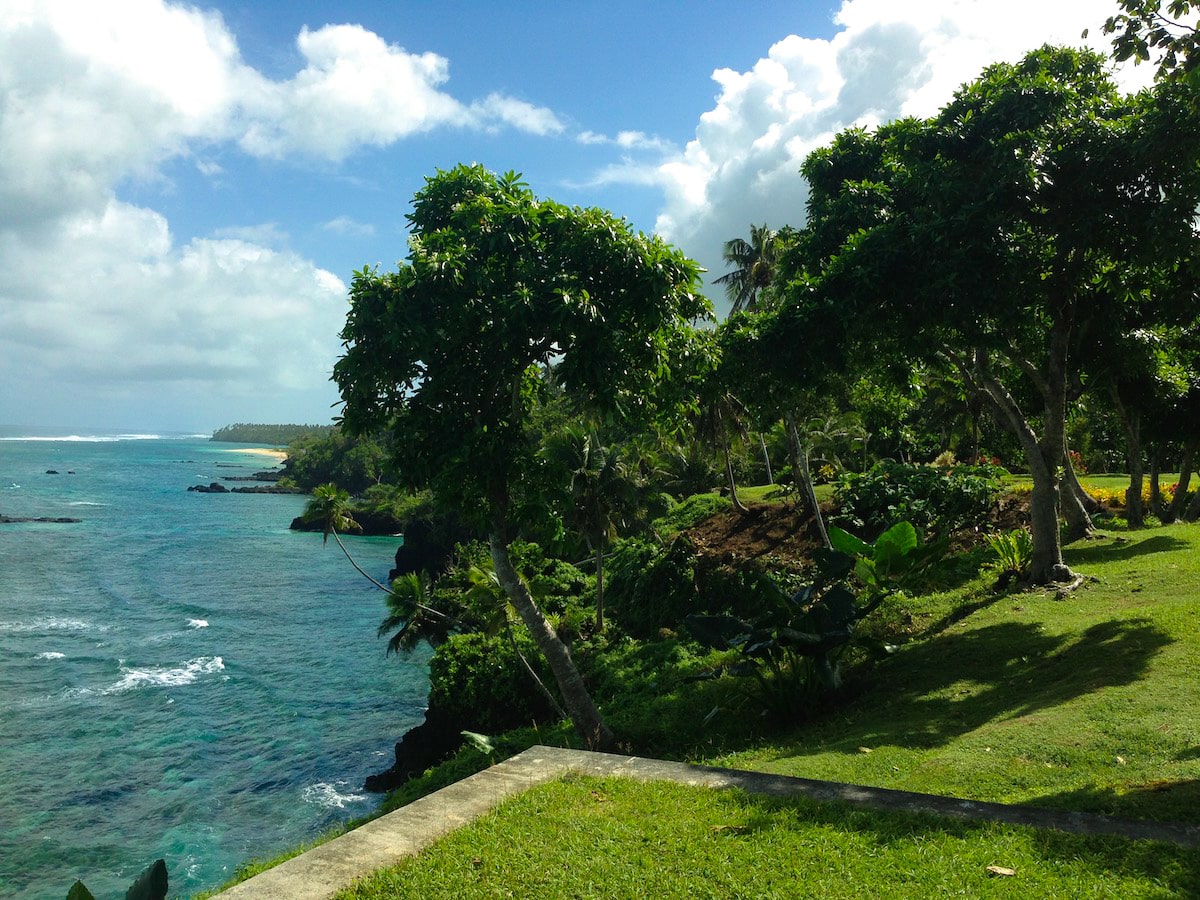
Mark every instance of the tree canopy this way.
pixel 447 352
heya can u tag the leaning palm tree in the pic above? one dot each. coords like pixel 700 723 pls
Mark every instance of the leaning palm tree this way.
pixel 411 616
pixel 753 263
pixel 329 505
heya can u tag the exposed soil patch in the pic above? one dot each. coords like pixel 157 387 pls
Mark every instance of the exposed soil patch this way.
pixel 774 534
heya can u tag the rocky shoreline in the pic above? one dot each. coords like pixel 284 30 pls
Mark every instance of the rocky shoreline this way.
pixel 52 520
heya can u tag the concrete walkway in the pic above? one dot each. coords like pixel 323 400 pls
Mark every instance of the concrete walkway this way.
pixel 324 870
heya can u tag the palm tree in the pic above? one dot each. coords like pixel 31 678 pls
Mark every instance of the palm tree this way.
pixel 411 616
pixel 753 263
pixel 603 494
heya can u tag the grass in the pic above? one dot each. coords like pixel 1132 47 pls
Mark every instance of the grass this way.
pixel 771 493
pixel 1086 703
pixel 588 837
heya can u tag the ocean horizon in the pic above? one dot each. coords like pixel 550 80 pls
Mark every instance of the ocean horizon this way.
pixel 181 676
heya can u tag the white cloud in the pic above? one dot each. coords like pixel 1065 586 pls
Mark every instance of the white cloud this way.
pixel 626 140
pixel 345 225
pixel 124 304
pixel 94 292
pixel 890 58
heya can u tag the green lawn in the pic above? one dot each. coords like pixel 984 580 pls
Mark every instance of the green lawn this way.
pixel 1087 702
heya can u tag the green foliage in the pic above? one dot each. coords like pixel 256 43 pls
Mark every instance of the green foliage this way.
pixel 354 464
pixel 1143 26
pixel 479 681
pixel 932 499
pixel 1013 552
pixel 274 435
pixel 794 650
pixel 498 286
pixel 695 509
pixel 651 587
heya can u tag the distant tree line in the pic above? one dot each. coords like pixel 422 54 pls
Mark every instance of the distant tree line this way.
pixel 275 435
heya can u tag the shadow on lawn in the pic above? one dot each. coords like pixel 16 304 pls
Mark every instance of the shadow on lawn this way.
pixel 1006 671
pixel 1162 801
pixel 1175 869
pixel 1083 554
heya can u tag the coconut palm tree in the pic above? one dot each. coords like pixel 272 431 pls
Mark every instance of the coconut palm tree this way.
pixel 753 263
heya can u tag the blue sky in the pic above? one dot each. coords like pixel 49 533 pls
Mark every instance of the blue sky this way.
pixel 185 191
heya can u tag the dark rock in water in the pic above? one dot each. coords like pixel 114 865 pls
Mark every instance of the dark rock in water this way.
pixel 427 548
pixel 52 471
pixel 272 475
pixel 14 520
pixel 70 471
pixel 429 743
pixel 268 489
pixel 214 488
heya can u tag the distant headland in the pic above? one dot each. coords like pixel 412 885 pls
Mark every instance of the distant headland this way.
pixel 271 435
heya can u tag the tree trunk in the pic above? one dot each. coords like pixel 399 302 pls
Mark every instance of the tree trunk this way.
pixel 729 479
pixel 802 475
pixel 1132 420
pixel 766 457
pixel 1156 504
pixel 1045 456
pixel 1175 510
pixel 584 714
pixel 599 586
pixel 1075 510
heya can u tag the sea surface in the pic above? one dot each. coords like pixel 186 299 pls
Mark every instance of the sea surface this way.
pixel 181 676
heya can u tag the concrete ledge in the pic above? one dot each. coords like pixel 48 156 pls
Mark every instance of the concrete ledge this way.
pixel 324 870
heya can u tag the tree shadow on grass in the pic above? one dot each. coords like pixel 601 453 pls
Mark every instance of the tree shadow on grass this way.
pixel 1003 671
pixel 1161 801
pixel 1082 555
pixel 1174 869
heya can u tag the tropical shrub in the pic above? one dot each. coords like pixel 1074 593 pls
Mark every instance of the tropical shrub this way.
pixel 931 499
pixel 479 680
pixel 1013 553
pixel 794 651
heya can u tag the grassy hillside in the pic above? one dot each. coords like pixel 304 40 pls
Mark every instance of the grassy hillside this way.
pixel 1086 701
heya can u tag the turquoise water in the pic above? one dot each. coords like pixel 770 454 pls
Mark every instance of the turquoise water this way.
pixel 181 676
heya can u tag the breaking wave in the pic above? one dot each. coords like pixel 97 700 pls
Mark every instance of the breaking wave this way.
pixel 165 676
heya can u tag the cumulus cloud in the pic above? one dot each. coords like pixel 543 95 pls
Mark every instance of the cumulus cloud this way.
pixel 96 292
pixel 345 225
pixel 888 59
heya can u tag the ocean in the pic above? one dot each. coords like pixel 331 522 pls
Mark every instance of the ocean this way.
pixel 181 676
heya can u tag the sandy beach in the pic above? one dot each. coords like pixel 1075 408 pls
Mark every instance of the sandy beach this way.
pixel 262 451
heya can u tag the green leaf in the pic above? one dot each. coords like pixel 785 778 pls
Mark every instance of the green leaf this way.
pixel 848 543
pixel 151 884
pixel 895 543
pixel 840 603
pixel 480 742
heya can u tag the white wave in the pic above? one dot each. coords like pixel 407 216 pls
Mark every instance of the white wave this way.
pixel 84 503
pixel 85 438
pixel 327 795
pixel 197 623
pixel 165 676
pixel 50 624
pixel 51 654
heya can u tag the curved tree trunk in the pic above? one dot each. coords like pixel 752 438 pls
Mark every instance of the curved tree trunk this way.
pixel 582 709
pixel 729 479
pixel 1131 419
pixel 1175 510
pixel 762 442
pixel 1045 457
pixel 802 476
pixel 1077 504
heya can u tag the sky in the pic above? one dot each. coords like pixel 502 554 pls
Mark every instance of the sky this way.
pixel 187 190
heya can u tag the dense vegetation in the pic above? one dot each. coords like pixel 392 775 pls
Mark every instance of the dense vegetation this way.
pixel 271 435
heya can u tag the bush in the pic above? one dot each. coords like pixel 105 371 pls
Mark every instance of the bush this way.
pixel 694 509
pixel 478 679
pixel 937 500
pixel 651 588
